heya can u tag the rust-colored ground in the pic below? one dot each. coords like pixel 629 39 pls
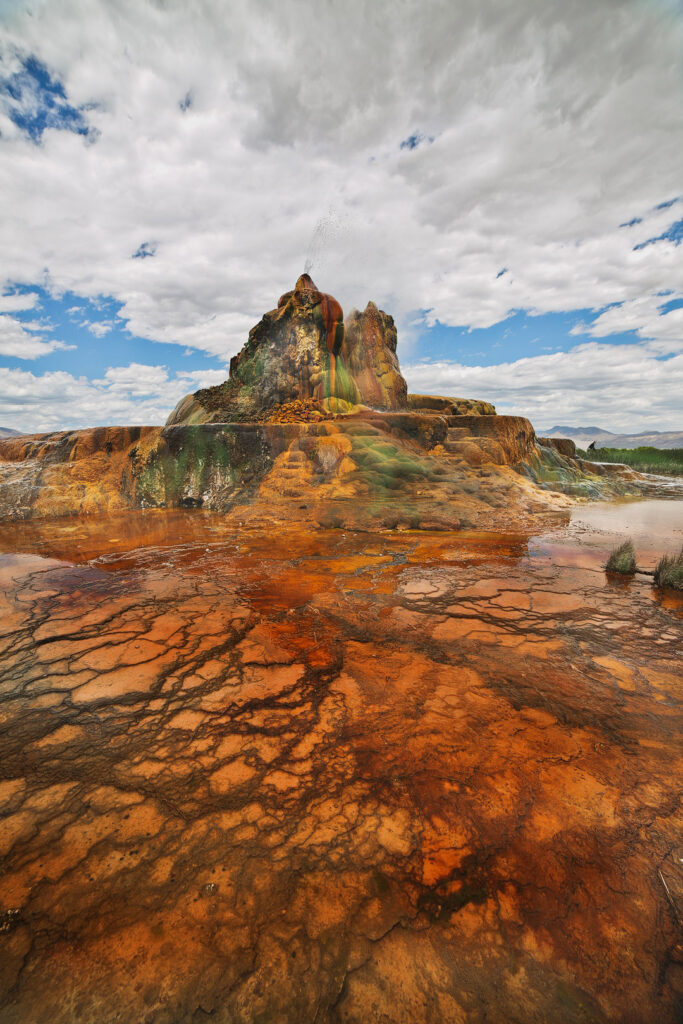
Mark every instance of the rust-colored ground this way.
pixel 299 776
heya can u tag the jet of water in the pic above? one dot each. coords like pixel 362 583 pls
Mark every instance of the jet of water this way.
pixel 327 228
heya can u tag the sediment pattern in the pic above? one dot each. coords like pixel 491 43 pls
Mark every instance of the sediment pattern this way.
pixel 318 776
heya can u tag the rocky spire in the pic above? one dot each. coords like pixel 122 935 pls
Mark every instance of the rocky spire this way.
pixel 302 352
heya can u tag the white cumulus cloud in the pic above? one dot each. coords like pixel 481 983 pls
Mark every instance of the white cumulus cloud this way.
pixel 622 385
pixel 19 339
pixel 56 400
pixel 229 137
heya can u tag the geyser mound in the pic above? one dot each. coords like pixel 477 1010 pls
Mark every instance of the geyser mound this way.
pixel 304 356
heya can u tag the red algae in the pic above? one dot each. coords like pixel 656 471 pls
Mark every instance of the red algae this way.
pixel 300 775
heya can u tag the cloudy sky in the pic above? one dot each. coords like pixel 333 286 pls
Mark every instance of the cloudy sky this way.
pixel 506 179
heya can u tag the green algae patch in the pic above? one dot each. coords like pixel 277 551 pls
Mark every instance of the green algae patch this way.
pixel 385 466
pixel 555 472
pixel 194 466
pixel 338 382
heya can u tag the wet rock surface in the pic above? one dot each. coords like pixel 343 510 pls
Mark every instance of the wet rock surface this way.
pixel 313 775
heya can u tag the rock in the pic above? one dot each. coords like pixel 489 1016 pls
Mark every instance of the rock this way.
pixel 514 434
pixel 293 354
pixel 190 412
pixel 70 472
pixel 563 445
pixel 315 412
pixel 368 470
pixel 301 357
pixel 369 350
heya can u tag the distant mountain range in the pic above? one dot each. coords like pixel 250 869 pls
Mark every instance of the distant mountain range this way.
pixel 583 436
pixel 8 432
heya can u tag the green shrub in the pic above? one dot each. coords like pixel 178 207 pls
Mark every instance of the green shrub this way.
pixel 669 571
pixel 666 461
pixel 622 559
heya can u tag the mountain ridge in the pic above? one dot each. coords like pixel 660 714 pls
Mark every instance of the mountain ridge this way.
pixel 583 436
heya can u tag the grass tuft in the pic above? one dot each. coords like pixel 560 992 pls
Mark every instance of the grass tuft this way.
pixel 622 559
pixel 669 571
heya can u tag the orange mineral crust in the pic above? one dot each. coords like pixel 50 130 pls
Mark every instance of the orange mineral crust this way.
pixel 315 775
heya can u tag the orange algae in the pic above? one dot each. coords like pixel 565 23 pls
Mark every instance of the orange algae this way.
pixel 368 777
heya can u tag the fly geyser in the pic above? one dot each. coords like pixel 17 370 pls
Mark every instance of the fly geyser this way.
pixel 309 722
pixel 303 352
pixel 315 411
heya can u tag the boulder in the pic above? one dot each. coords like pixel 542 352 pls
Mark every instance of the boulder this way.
pixel 564 445
pixel 513 434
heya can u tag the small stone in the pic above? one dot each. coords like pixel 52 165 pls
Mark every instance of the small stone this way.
pixel 9 920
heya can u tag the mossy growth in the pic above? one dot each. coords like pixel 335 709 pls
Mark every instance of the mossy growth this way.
pixel 203 458
pixel 251 370
pixel 669 571
pixel 622 560
pixel 386 467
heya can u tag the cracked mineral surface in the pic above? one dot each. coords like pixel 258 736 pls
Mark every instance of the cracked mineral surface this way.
pixel 300 775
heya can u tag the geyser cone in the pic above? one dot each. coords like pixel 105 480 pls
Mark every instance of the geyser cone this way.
pixel 300 355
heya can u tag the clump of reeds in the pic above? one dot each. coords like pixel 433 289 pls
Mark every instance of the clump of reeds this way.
pixel 669 571
pixel 622 559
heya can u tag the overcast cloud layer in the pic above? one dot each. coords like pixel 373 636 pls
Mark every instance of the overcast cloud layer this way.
pixel 198 154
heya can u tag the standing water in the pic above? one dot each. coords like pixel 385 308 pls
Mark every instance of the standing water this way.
pixel 337 777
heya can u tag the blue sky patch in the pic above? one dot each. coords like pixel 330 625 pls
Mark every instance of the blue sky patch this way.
pixel 35 101
pixel 665 205
pixel 414 140
pixel 674 233
pixel 144 250
pixel 520 335
pixel 101 339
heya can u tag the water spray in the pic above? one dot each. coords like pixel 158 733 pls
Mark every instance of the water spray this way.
pixel 324 232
